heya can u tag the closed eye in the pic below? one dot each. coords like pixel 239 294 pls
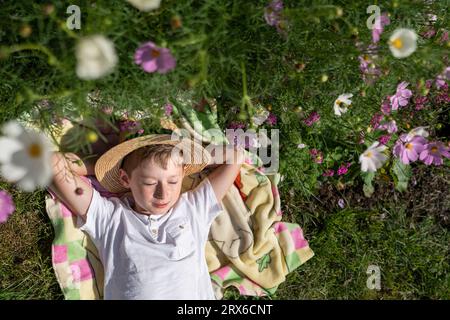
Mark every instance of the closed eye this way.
pixel 153 184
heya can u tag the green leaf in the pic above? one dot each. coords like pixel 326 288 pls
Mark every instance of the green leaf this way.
pixel 368 187
pixel 264 262
pixel 401 174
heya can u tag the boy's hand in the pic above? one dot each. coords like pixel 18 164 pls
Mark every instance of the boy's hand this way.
pixel 230 160
pixel 226 154
pixel 67 184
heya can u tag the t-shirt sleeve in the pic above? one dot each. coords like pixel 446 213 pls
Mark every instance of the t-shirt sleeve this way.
pixel 99 217
pixel 203 198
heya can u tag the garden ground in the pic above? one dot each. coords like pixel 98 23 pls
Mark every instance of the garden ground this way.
pixel 404 234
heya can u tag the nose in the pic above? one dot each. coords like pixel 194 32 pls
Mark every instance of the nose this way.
pixel 159 191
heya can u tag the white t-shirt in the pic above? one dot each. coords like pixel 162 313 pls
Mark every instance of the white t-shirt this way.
pixel 141 263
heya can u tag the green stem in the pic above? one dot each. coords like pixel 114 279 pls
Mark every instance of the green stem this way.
pixel 203 64
pixel 62 24
pixel 190 41
pixel 52 60
pixel 244 80
pixel 246 102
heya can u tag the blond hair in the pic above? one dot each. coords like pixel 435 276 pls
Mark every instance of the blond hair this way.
pixel 159 153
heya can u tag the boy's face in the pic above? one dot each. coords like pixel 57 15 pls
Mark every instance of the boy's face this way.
pixel 155 189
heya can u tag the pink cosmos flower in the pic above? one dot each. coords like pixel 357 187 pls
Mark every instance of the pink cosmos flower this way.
pixel 368 69
pixel 343 169
pixel 152 58
pixel 386 106
pixel 313 118
pixel 443 97
pixel 433 153
pixel 362 136
pixel 375 121
pixel 431 32
pixel 420 102
pixel 168 109
pixel 274 16
pixel 272 13
pixel 316 155
pixel 131 127
pixel 236 125
pixel 7 206
pixel 328 173
pixel 401 97
pixel 446 73
pixel 441 83
pixel 271 119
pixel 384 139
pixel 390 126
pixel 409 149
pixel 364 63
pixel 444 37
pixel 382 21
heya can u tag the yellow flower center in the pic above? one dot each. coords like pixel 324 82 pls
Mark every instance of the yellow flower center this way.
pixel 35 150
pixel 369 154
pixel 434 149
pixel 155 53
pixel 338 102
pixel 397 43
pixel 91 137
pixel 409 146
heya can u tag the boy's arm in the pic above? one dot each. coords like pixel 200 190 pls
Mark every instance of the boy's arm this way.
pixel 67 169
pixel 224 175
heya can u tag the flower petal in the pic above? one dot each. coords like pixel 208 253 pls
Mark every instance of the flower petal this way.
pixel 12 173
pixel 371 166
pixel 8 147
pixel 150 66
pixel 12 129
pixel 27 184
pixel 364 165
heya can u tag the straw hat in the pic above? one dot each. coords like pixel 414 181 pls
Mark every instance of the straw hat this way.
pixel 108 165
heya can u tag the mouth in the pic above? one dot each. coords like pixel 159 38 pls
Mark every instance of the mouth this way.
pixel 160 205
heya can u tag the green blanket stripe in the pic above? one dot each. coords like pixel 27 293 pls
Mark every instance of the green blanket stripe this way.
pixel 293 261
pixel 76 251
pixel 200 121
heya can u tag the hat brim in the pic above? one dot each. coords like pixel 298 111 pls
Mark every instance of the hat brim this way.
pixel 108 165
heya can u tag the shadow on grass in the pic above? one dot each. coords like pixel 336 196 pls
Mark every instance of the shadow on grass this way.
pixel 404 234
pixel 25 250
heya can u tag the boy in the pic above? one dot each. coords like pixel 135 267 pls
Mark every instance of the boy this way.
pixel 152 242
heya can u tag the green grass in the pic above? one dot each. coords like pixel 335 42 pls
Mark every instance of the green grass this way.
pixel 406 236
pixel 413 258
pixel 25 250
pixel 413 255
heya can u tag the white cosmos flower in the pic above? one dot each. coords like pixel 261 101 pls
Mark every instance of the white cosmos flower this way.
pixel 341 103
pixel 419 131
pixel 145 5
pixel 373 158
pixel 96 57
pixel 260 116
pixel 25 157
pixel 403 42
